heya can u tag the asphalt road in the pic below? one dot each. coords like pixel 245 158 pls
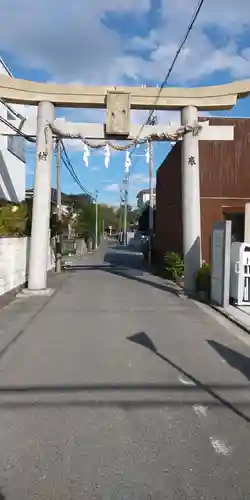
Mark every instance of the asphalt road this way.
pixel 115 388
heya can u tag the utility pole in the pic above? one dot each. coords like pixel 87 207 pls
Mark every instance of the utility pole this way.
pixel 153 121
pixel 58 207
pixel 120 216
pixel 96 219
pixel 151 201
pixel 125 209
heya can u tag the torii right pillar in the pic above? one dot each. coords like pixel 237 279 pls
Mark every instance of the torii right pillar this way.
pixel 191 213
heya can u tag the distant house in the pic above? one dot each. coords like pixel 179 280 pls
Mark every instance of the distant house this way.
pixel 65 205
pixel 143 198
pixel 12 154
pixel 69 201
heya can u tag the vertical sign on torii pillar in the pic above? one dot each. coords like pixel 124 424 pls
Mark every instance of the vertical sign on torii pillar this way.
pixel 119 101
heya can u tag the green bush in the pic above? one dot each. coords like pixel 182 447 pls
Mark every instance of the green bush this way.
pixel 174 265
pixel 203 278
pixel 14 220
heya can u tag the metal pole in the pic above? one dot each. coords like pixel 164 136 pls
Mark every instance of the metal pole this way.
pixel 58 206
pixel 96 220
pixel 125 211
pixel 191 217
pixel 151 202
pixel 39 244
pixel 120 218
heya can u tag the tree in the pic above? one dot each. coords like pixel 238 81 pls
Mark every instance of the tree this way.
pixel 109 216
pixel 13 219
pixel 85 221
pixel 143 223
pixel 132 215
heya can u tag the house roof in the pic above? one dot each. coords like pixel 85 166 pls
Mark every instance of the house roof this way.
pixel 66 198
pixel 145 191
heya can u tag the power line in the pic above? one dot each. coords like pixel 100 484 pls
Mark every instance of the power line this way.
pixel 189 29
pixel 178 51
pixel 67 163
pixel 169 72
pixel 13 111
pixel 18 132
pixel 72 172
pixel 76 179
pixel 71 169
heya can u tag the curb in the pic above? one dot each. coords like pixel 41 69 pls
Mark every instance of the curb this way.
pixel 180 293
pixel 231 318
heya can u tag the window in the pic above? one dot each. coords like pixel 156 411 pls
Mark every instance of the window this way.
pixel 15 143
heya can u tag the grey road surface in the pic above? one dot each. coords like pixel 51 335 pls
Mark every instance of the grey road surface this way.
pixel 115 388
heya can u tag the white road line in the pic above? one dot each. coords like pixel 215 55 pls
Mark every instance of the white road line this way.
pixel 186 381
pixel 220 446
pixel 200 410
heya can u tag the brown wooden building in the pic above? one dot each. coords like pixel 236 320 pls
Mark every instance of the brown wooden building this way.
pixel 224 188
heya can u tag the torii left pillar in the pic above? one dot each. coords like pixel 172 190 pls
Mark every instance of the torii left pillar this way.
pixel 37 278
pixel 191 213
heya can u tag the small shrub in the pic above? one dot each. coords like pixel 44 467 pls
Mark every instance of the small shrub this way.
pixel 13 220
pixel 203 278
pixel 174 265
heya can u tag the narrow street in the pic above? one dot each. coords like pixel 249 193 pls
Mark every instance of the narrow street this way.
pixel 115 388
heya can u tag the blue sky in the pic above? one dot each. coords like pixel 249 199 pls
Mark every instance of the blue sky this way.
pixel 117 42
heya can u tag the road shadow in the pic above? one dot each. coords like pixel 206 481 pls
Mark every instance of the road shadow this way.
pixel 124 272
pixel 137 395
pixel 121 395
pixel 234 359
pixel 124 404
pixel 130 265
pixel 126 258
pixel 145 341
pixel 121 248
pixel 114 387
pixel 142 279
pixel 86 267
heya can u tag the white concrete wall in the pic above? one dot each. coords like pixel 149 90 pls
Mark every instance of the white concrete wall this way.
pixel 12 172
pixel 14 255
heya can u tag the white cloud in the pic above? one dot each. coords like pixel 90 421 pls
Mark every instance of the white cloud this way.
pixel 139 181
pixel 227 14
pixel 75 43
pixel 65 38
pixel 112 188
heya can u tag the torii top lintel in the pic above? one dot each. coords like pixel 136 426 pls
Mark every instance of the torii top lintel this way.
pixel 81 96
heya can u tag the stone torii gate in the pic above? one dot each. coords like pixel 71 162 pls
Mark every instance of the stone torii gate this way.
pixel 118 101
